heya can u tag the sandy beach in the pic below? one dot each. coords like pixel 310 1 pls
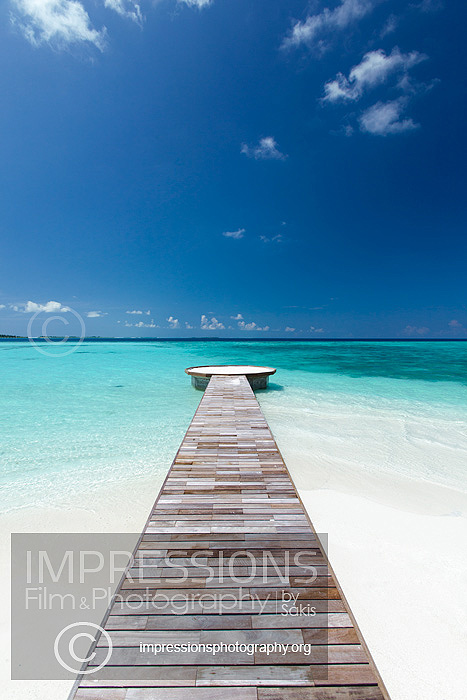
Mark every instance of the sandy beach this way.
pixel 111 511
pixel 409 607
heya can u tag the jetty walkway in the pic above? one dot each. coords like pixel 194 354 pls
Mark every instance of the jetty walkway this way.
pixel 230 569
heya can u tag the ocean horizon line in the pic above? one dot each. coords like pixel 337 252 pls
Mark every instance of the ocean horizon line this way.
pixel 95 338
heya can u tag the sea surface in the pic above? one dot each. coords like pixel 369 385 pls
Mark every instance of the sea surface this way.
pixel 344 413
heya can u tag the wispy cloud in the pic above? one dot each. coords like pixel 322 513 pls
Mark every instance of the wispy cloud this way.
pixel 235 234
pixel 288 329
pixel 31 307
pixel 274 239
pixel 238 317
pixel 59 23
pixel 456 325
pixel 2 306
pixel 196 3
pixel 416 330
pixel 266 149
pixel 316 31
pixel 138 312
pixel 429 5
pixel 313 329
pixel 389 26
pixel 307 308
pixel 130 9
pixel 188 326
pixel 173 322
pixel 96 314
pixel 211 324
pixel 384 118
pixel 373 70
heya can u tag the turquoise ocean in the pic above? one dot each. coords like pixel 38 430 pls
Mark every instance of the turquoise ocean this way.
pixel 113 412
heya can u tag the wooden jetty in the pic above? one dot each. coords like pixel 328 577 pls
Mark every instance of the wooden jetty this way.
pixel 250 571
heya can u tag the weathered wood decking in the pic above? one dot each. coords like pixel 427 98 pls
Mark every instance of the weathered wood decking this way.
pixel 228 498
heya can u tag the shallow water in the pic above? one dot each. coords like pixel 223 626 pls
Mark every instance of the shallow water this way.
pixel 113 411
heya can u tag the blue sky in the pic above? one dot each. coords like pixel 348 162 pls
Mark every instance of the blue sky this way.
pixel 233 168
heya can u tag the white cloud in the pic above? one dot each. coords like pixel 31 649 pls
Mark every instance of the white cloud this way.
pixel 138 312
pixel 313 329
pixel 31 307
pixel 383 118
pixel 56 22
pixel 197 3
pixel 235 234
pixel 373 70
pixel 187 325
pixel 174 322
pixel 126 8
pixel 288 329
pixel 265 150
pixel 96 314
pixel 457 325
pixel 238 317
pixel 416 330
pixel 313 31
pixel 141 324
pixel 2 306
pixel 274 239
pixel 211 325
pixel 252 326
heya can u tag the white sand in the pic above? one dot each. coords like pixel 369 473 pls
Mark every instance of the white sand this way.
pixel 405 578
pixel 109 510
pixel 409 602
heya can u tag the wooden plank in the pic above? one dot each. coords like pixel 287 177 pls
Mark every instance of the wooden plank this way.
pixel 161 694
pixel 349 693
